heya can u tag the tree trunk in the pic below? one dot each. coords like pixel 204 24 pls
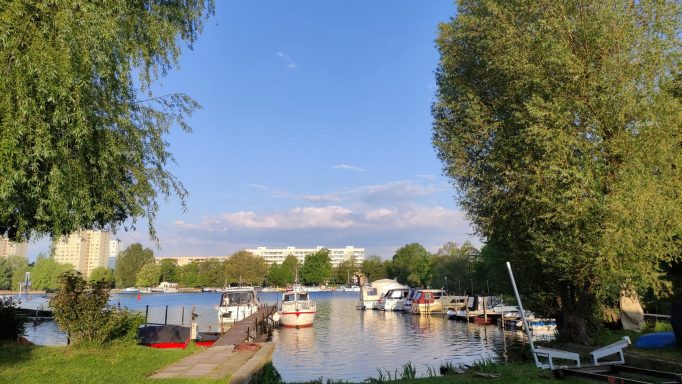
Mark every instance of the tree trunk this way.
pixel 578 309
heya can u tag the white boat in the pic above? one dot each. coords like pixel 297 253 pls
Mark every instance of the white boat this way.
pixel 393 300
pixel 369 294
pixel 296 310
pixel 237 304
pixel 130 290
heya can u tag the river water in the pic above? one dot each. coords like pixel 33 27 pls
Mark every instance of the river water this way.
pixel 343 344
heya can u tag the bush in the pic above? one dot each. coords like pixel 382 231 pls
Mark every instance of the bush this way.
pixel 82 311
pixel 11 321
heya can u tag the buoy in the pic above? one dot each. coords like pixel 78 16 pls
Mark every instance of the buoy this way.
pixel 139 297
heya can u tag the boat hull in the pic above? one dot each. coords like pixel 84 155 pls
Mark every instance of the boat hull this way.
pixel 298 319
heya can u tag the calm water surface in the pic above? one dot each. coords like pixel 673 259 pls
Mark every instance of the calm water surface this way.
pixel 344 343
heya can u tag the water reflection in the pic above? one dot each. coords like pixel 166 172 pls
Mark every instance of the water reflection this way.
pixel 346 344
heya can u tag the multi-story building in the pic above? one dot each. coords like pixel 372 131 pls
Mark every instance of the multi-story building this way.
pixel 10 248
pixel 184 260
pixel 338 255
pixel 112 254
pixel 85 250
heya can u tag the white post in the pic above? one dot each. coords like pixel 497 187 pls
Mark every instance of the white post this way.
pixel 526 324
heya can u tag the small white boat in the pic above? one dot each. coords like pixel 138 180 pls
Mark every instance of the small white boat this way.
pixel 237 304
pixel 393 300
pixel 296 310
pixel 370 294
pixel 130 290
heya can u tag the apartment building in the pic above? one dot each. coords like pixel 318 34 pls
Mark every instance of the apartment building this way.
pixel 10 248
pixel 184 260
pixel 85 250
pixel 337 255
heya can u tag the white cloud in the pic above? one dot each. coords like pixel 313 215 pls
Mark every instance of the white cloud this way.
pixel 349 167
pixel 291 64
pixel 296 218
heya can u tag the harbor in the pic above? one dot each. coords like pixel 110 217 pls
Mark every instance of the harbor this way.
pixel 349 343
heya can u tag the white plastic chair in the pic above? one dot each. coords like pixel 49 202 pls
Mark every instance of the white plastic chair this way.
pixel 611 349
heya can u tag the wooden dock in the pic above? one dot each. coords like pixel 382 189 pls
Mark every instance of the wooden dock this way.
pixel 256 327
pixel 226 358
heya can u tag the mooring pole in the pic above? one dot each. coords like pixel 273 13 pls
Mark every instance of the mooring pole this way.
pixel 183 316
pixel 146 315
pixel 526 325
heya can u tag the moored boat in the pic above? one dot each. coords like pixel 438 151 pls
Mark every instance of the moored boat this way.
pixel 370 294
pixel 296 309
pixel 236 304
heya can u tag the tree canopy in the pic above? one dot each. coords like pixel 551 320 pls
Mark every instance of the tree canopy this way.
pixel 282 274
pixel 46 273
pixel 81 134
pixel 245 267
pixel 317 268
pixel 129 262
pixel 102 275
pixel 148 276
pixel 374 268
pixel 560 124
pixel 411 265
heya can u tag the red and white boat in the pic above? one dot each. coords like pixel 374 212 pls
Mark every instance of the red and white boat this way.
pixel 296 310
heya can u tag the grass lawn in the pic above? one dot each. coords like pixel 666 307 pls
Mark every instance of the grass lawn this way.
pixel 116 364
pixel 132 364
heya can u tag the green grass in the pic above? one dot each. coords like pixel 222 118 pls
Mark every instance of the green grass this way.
pixel 115 364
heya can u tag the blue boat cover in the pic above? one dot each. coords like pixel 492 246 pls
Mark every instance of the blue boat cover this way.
pixel 656 340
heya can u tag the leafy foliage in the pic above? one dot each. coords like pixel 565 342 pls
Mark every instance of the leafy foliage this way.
pixel 169 270
pixel 246 268
pixel 559 123
pixel 12 321
pixel 78 147
pixel 317 267
pixel 149 275
pixel 81 310
pixel 456 267
pixel 374 268
pixel 411 265
pixel 9 267
pixel 104 275
pixel 46 273
pixel 285 273
pixel 344 272
pixel 129 262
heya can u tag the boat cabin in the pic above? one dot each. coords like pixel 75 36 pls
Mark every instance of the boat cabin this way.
pixel 295 296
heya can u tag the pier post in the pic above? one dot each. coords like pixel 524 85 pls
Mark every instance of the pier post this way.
pixel 165 319
pixel 183 316
pixel 146 315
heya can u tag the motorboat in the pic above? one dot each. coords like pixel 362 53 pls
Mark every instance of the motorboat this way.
pixel 426 301
pixel 407 302
pixel 237 303
pixel 393 300
pixel 369 294
pixel 485 309
pixel 296 309
pixel 130 290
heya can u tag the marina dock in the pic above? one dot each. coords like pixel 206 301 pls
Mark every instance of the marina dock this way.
pixel 239 353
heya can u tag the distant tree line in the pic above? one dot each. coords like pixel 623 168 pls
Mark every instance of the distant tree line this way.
pixel 458 269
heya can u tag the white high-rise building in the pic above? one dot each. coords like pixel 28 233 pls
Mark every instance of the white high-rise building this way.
pixel 338 255
pixel 85 250
pixel 10 248
pixel 112 254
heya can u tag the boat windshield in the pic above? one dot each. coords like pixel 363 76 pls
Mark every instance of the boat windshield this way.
pixel 293 296
pixel 238 298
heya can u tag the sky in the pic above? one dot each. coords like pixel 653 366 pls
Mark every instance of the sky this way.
pixel 315 130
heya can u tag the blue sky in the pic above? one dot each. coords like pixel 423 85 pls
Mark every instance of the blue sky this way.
pixel 315 129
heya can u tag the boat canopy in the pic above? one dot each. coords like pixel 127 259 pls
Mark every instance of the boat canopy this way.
pixel 237 298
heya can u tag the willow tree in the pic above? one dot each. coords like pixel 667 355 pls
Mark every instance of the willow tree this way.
pixel 81 134
pixel 560 124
